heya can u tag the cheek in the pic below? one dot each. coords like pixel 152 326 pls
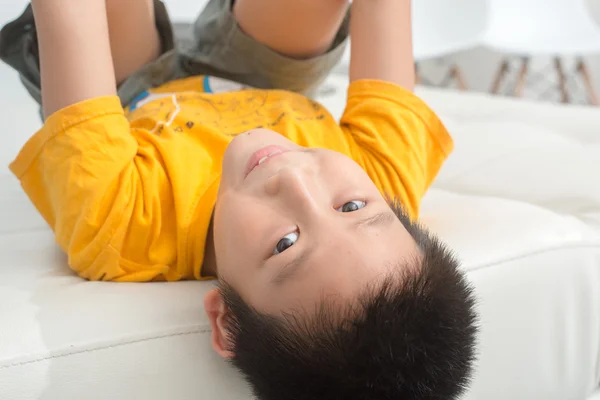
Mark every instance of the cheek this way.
pixel 236 229
pixel 233 227
pixel 237 249
pixel 335 164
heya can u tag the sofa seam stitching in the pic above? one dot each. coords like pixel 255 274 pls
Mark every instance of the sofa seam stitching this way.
pixel 100 348
pixel 537 252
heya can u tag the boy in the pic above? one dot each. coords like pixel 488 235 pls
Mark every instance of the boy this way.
pixel 149 168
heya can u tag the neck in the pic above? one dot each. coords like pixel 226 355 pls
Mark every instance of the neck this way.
pixel 209 264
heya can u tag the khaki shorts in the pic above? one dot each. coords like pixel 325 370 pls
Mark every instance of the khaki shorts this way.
pixel 214 45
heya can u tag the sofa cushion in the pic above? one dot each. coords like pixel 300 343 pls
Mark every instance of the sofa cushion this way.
pixel 519 201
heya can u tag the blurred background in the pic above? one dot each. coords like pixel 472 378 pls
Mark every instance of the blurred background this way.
pixel 552 47
pixel 547 50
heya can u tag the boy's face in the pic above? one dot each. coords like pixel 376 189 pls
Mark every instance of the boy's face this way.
pixel 301 224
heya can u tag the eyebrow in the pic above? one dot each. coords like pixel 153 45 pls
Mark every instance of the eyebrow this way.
pixel 382 220
pixel 289 270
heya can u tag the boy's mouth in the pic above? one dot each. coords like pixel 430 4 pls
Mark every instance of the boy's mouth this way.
pixel 262 156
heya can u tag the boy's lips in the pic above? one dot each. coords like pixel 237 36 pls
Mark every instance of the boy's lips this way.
pixel 262 156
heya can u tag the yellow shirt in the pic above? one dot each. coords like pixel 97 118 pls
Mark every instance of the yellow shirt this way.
pixel 129 193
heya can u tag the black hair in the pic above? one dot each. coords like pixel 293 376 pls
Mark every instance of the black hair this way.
pixel 410 336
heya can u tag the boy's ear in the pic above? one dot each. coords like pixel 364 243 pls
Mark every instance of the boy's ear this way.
pixel 217 313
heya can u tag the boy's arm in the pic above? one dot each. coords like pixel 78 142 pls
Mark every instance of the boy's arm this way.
pixel 396 137
pixel 102 187
pixel 75 54
pixel 381 45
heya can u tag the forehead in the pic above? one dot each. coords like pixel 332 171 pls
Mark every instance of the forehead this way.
pixel 370 246
pixel 344 264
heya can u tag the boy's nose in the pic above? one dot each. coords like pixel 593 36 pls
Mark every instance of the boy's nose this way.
pixel 297 187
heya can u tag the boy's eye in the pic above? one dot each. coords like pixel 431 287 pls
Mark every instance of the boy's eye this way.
pixel 290 239
pixel 352 206
pixel 286 242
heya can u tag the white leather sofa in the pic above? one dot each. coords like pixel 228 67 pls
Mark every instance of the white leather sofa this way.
pixel 519 200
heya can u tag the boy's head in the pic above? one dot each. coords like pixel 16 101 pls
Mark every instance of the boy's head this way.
pixel 326 291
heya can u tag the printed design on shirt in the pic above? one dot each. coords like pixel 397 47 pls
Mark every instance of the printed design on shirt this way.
pixel 235 113
pixel 227 106
pixel 147 97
